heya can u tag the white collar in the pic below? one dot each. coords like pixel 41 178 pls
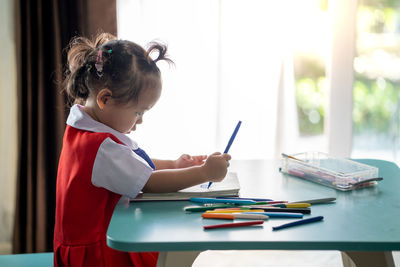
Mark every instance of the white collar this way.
pixel 79 119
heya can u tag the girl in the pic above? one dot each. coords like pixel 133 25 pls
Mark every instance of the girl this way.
pixel 116 82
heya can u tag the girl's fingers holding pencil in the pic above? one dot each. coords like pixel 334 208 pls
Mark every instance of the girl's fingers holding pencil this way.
pixel 216 166
pixel 226 156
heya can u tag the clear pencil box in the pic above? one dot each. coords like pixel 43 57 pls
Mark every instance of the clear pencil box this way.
pixel 339 173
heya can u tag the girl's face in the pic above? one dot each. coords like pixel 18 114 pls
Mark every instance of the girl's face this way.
pixel 125 117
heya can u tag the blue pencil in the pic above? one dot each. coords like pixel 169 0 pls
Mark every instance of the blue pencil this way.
pixel 230 143
pixel 299 222
pixel 278 214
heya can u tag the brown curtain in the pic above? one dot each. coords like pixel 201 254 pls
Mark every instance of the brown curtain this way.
pixel 44 29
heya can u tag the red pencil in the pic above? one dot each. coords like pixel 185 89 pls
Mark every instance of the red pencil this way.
pixel 238 224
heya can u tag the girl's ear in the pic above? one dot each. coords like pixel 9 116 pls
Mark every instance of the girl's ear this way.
pixel 103 97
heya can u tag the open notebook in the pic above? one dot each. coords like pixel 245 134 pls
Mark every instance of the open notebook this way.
pixel 227 187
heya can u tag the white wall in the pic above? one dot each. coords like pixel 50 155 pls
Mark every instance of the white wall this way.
pixel 8 123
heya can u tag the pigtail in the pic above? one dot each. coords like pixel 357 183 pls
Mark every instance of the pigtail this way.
pixel 79 50
pixel 80 71
pixel 103 38
pixel 77 87
pixel 160 50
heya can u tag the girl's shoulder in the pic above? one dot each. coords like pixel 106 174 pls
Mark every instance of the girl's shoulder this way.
pixel 88 138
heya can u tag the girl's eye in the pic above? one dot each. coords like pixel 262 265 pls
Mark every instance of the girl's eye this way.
pixel 139 113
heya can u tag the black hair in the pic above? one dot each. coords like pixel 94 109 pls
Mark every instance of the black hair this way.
pixel 122 66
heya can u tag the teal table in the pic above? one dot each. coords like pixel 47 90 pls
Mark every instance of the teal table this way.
pixel 364 224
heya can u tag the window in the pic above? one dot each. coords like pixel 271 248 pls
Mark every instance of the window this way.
pixel 287 69
pixel 376 121
pixel 310 54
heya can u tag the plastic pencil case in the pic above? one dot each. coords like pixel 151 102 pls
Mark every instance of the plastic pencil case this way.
pixel 339 173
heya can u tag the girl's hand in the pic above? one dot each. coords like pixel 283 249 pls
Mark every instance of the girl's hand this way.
pixel 186 160
pixel 216 166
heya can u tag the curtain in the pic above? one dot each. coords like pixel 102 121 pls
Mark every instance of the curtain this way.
pixel 44 29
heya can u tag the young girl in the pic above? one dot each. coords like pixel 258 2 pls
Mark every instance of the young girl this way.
pixel 116 82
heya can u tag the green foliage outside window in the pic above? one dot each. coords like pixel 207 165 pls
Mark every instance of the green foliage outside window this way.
pixel 374 104
pixel 376 91
pixel 310 97
pixel 310 86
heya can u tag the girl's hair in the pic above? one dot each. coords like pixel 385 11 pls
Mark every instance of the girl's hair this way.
pixel 122 66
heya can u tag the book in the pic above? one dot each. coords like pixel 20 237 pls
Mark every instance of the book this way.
pixel 227 187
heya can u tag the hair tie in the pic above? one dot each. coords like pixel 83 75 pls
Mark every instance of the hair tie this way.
pixel 99 63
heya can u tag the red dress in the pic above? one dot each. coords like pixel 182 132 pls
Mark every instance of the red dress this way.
pixel 83 211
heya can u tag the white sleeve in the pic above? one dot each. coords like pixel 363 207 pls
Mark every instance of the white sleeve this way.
pixel 119 169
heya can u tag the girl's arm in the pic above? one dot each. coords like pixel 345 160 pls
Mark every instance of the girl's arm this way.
pixel 183 161
pixel 164 164
pixel 172 180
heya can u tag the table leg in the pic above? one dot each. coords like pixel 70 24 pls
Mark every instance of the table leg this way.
pixel 367 258
pixel 177 258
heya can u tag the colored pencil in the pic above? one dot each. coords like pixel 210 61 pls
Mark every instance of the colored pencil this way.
pixel 235 224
